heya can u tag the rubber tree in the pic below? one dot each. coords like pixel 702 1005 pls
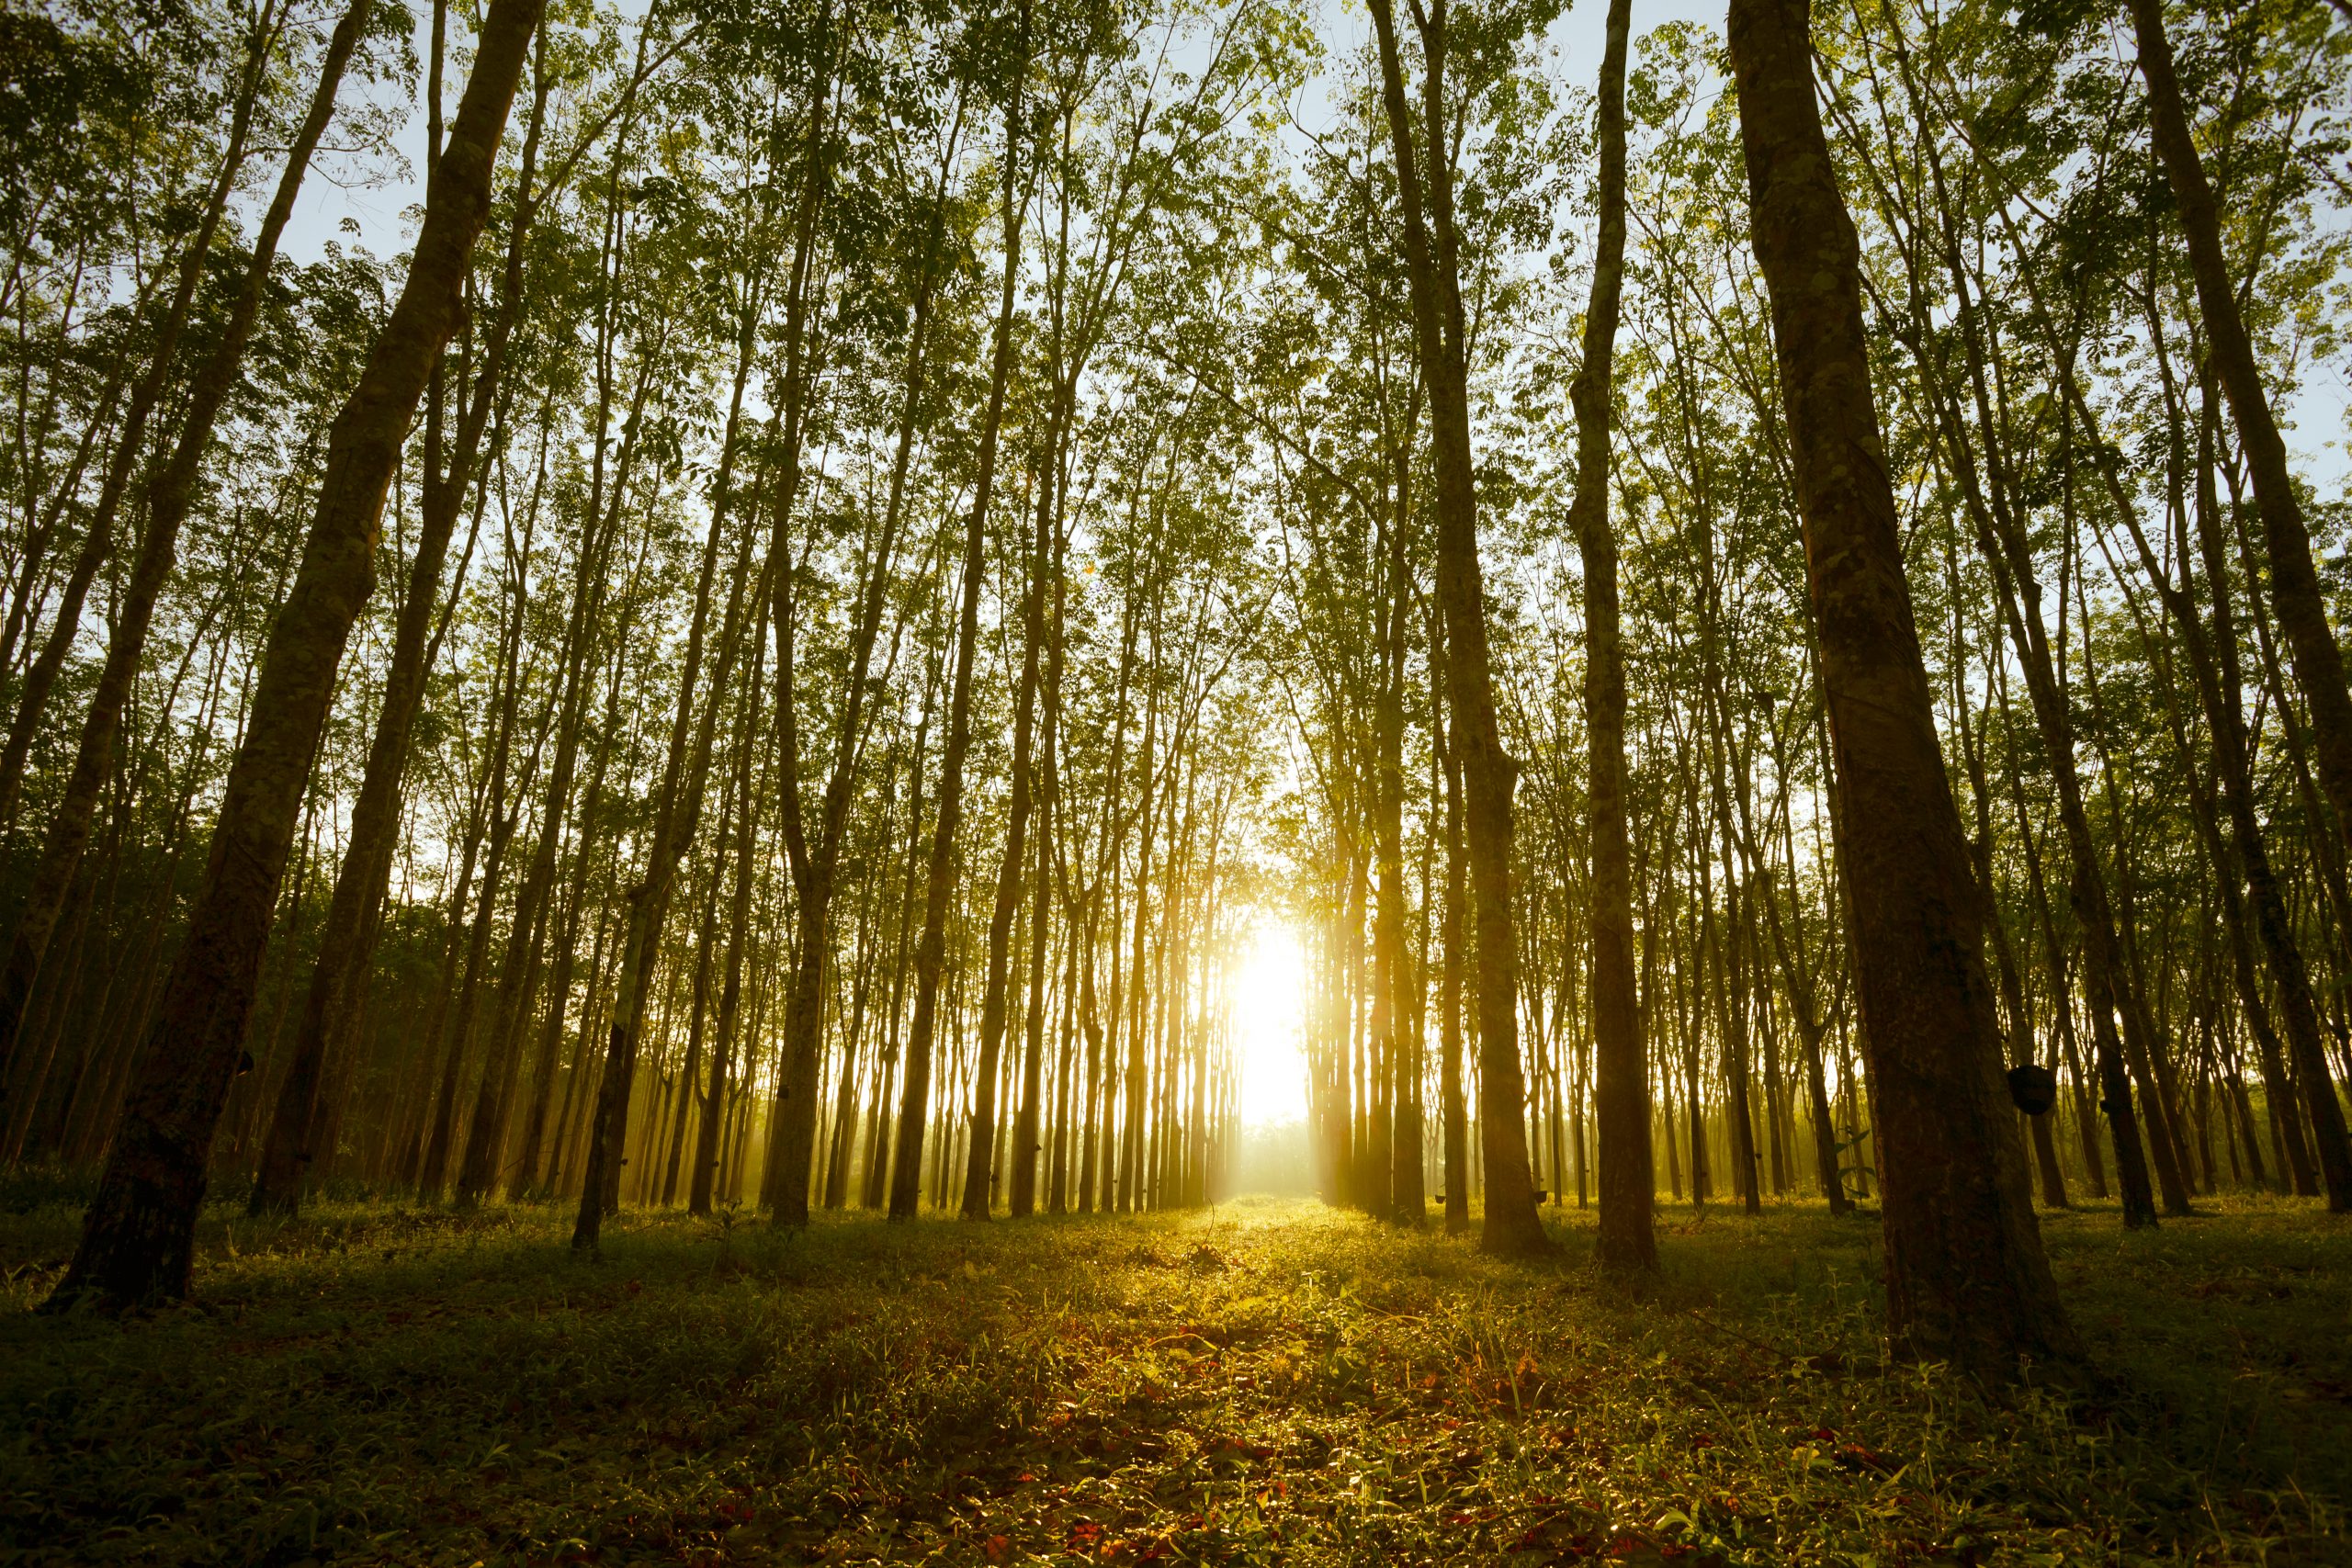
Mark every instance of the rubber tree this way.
pixel 1432 244
pixel 138 1238
pixel 1967 1280
pixel 1627 1238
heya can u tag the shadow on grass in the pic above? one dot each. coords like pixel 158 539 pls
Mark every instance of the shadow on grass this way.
pixel 1267 1381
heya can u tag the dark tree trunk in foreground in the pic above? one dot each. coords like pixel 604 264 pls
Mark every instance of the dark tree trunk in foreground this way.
pixel 139 1236
pixel 168 496
pixel 1621 1075
pixel 1966 1275
pixel 1489 774
pixel 354 910
pixel 2295 593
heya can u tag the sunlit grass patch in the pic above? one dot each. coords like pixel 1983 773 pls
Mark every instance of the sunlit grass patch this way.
pixel 1262 1382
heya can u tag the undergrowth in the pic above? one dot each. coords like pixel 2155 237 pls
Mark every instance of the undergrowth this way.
pixel 1268 1382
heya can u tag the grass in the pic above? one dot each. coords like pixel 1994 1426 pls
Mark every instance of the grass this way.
pixel 1268 1382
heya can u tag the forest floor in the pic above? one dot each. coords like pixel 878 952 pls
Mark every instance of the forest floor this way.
pixel 1268 1382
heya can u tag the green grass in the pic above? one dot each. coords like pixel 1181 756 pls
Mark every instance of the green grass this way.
pixel 1268 1382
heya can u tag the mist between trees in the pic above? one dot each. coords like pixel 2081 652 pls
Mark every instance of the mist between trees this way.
pixel 1744 602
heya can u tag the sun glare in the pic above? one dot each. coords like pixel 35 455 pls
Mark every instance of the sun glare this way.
pixel 1268 995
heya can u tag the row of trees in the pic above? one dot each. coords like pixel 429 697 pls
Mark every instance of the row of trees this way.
pixel 776 470
pixel 1915 791
pixel 1731 607
pixel 2090 616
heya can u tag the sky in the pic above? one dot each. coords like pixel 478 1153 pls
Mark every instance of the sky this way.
pixel 1268 1015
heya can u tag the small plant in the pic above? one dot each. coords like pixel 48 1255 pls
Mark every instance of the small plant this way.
pixel 723 1221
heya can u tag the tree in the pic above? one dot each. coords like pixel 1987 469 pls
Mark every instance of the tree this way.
pixel 138 1237
pixel 1967 1279
pixel 1628 1179
pixel 1431 248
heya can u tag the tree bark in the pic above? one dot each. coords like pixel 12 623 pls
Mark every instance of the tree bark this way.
pixel 1626 1239
pixel 138 1239
pixel 739 937
pixel 1452 1108
pixel 347 941
pixel 1011 879
pixel 914 1111
pixel 1051 540
pixel 1512 1225
pixel 678 814
pixel 1967 1279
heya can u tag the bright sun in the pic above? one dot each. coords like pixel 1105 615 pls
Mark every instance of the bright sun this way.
pixel 1269 992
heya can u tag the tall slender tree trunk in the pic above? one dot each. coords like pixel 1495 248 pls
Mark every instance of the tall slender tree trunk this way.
pixel 1025 1129
pixel 1627 1238
pixel 1452 1108
pixel 1967 1279
pixel 2245 861
pixel 2295 593
pixel 678 814
pixel 815 862
pixel 699 1015
pixel 1012 880
pixel 138 1239
pixel 1489 774
pixel 739 935
pixel 914 1113
pixel 2002 542
pixel 1134 1082
pixel 347 941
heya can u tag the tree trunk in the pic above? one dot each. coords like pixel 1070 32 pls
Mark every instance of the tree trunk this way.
pixel 1626 1239
pixel 678 813
pixel 1453 1107
pixel 1025 1141
pixel 1011 879
pixel 1489 774
pixel 739 937
pixel 906 1176
pixel 1967 1279
pixel 138 1239
pixel 347 942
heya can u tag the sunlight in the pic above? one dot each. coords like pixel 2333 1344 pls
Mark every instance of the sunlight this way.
pixel 1269 992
